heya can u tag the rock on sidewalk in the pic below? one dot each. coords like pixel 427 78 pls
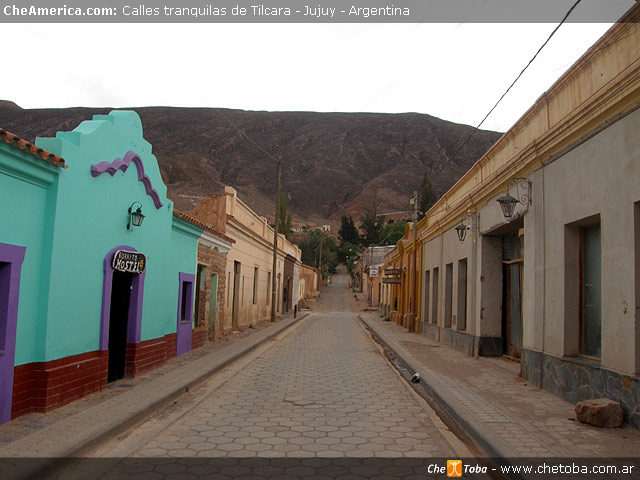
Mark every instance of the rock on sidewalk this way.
pixel 600 412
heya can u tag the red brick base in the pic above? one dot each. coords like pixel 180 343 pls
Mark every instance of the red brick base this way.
pixel 150 354
pixel 43 386
pixel 199 337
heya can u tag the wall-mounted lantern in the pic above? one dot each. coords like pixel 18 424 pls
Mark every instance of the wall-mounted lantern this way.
pixel 508 202
pixel 461 230
pixel 135 217
pixel 462 227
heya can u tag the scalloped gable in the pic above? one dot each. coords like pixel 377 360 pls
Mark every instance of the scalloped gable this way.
pixel 107 139
pixel 123 164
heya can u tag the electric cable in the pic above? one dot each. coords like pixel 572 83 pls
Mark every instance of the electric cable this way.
pixel 514 82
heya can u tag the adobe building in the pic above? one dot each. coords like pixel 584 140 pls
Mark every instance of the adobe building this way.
pixel 213 247
pixel 96 272
pixel 535 252
pixel 310 280
pixel 249 262
pixel 291 281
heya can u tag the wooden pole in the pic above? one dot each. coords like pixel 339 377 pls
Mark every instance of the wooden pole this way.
pixel 274 283
pixel 320 258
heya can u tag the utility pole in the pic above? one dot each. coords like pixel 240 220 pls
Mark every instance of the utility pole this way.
pixel 274 284
pixel 320 255
pixel 370 291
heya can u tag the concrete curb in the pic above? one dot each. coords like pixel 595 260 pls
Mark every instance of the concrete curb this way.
pixel 442 394
pixel 77 435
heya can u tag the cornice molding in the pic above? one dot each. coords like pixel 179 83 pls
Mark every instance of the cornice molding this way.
pixel 490 175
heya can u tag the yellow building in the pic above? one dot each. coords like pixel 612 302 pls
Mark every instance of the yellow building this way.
pixel 402 282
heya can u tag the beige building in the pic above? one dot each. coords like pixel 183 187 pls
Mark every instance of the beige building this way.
pixel 555 283
pixel 249 262
pixel 373 265
pixel 309 284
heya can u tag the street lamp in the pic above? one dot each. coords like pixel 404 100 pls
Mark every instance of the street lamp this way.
pixel 135 217
pixel 462 227
pixel 461 230
pixel 508 202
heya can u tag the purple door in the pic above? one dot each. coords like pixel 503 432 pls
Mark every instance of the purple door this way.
pixel 185 313
pixel 11 258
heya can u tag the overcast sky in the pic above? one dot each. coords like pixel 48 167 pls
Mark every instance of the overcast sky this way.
pixel 453 71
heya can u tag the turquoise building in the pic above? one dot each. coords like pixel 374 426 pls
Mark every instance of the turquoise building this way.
pixel 96 269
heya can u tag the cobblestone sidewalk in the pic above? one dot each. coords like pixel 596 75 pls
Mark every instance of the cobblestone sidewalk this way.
pixel 28 424
pixel 502 412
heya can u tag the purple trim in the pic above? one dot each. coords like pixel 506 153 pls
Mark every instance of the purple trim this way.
pixel 183 337
pixel 12 256
pixel 134 324
pixel 122 164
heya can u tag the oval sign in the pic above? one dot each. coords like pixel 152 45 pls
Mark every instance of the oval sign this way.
pixel 132 262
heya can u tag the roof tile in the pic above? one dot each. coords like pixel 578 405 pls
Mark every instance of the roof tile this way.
pixel 29 147
pixel 202 225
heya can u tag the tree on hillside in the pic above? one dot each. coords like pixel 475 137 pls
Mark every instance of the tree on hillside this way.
pixel 310 247
pixel 426 196
pixel 369 221
pixel 348 232
pixel 284 217
pixel 392 232
pixel 347 254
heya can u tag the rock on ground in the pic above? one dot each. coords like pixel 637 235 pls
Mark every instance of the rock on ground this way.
pixel 601 412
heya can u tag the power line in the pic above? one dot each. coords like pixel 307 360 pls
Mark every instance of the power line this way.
pixel 247 137
pixel 517 78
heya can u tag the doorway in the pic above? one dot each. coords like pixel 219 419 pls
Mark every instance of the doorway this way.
pixel 11 258
pixel 512 273
pixel 236 295
pixel 199 305
pixel 121 287
pixel 285 296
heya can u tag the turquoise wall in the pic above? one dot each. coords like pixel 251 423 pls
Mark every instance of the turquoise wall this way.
pixel 90 220
pixel 28 186
pixel 183 235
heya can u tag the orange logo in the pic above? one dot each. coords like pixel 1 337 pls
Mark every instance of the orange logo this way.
pixel 454 468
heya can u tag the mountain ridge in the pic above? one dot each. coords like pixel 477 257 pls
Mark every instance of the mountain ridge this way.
pixel 332 162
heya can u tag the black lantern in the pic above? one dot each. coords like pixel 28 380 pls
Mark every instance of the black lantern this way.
pixel 461 230
pixel 508 205
pixel 135 217
pixel 508 202
pixel 462 227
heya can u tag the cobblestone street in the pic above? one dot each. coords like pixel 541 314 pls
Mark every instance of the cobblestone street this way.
pixel 324 390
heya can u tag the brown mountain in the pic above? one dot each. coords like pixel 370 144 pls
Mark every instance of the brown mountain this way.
pixel 331 161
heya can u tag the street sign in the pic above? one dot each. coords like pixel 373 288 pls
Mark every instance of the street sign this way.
pixel 393 271
pixel 391 280
pixel 133 262
pixel 373 272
